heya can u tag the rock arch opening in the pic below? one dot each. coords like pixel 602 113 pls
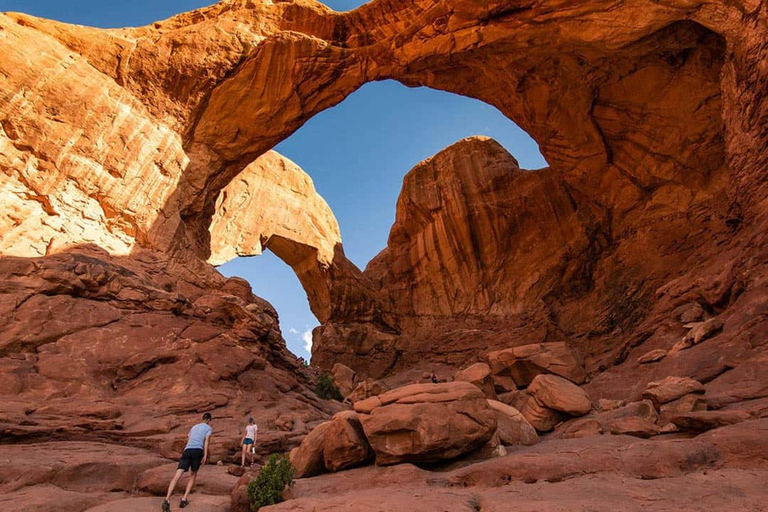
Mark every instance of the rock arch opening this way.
pixel 635 121
pixel 358 153
pixel 636 142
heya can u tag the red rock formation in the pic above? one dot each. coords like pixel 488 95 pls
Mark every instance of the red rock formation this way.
pixel 273 204
pixel 651 115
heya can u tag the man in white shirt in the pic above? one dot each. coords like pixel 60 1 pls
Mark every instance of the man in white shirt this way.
pixel 195 454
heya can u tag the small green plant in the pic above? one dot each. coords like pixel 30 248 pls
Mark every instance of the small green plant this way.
pixel 267 488
pixel 326 389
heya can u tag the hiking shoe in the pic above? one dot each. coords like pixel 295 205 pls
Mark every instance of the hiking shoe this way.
pixel 183 503
pixel 166 506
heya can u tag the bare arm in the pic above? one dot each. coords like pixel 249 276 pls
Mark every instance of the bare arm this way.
pixel 205 449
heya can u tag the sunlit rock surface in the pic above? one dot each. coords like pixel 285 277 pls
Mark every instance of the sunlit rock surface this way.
pixel 116 145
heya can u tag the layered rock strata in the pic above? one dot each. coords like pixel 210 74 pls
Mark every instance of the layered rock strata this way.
pixel 651 216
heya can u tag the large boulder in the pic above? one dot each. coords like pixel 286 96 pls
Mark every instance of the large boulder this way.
pixel 478 374
pixel 344 378
pixel 671 388
pixel 536 413
pixel 522 364
pixel 512 427
pixel 308 457
pixel 217 480
pixel 698 332
pixel 637 419
pixel 345 443
pixel 683 405
pixel 561 395
pixel 367 389
pixel 700 421
pixel 426 422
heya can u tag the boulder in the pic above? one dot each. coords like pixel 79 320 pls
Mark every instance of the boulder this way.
pixel 561 395
pixel 508 398
pixel 607 404
pixel 415 393
pixel 426 422
pixel 691 312
pixel 701 421
pixel 478 374
pixel 366 389
pixel 217 480
pixel 638 419
pixel 540 416
pixel 503 383
pixel 671 388
pixel 344 378
pixel 308 457
pixel 522 364
pixel 697 333
pixel 345 443
pixel 652 356
pixel 683 405
pixel 512 427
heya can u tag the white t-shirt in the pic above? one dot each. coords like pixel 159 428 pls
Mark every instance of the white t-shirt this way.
pixel 250 431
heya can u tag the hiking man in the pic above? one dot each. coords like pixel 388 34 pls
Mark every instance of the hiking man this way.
pixel 249 439
pixel 195 454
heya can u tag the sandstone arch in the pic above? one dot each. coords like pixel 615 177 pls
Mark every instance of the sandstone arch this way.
pixel 227 110
pixel 639 108
pixel 273 204
pixel 652 115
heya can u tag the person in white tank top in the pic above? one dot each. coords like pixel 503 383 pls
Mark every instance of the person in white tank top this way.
pixel 249 440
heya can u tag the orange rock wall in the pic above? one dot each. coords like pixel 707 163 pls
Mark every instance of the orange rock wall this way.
pixel 651 116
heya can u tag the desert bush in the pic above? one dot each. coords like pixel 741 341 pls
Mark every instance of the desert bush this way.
pixel 326 389
pixel 267 488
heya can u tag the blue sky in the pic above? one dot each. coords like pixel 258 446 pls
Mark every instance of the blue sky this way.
pixel 357 152
pixel 126 13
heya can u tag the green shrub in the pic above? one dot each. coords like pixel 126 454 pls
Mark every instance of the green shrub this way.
pixel 267 488
pixel 326 389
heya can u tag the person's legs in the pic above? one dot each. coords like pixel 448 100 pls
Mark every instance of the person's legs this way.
pixel 173 483
pixel 245 449
pixel 190 484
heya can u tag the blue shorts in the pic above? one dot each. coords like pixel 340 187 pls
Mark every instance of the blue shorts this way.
pixel 248 441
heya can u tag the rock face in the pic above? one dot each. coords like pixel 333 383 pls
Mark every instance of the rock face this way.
pixel 332 446
pixel 638 419
pixel 344 378
pixel 598 473
pixel 512 427
pixel 478 374
pixel 543 418
pixel 523 364
pixel 671 388
pixel 345 443
pixel 116 145
pixel 426 422
pixel 307 458
pixel 135 349
pixel 612 189
pixel 559 394
pixel 273 204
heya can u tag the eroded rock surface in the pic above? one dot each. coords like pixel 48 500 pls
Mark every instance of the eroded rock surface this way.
pixel 651 215
pixel 426 422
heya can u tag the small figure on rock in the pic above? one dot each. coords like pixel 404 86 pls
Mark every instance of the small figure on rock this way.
pixel 434 378
pixel 194 455
pixel 249 440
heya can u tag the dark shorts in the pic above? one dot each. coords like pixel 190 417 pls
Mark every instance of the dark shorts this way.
pixel 248 441
pixel 191 458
